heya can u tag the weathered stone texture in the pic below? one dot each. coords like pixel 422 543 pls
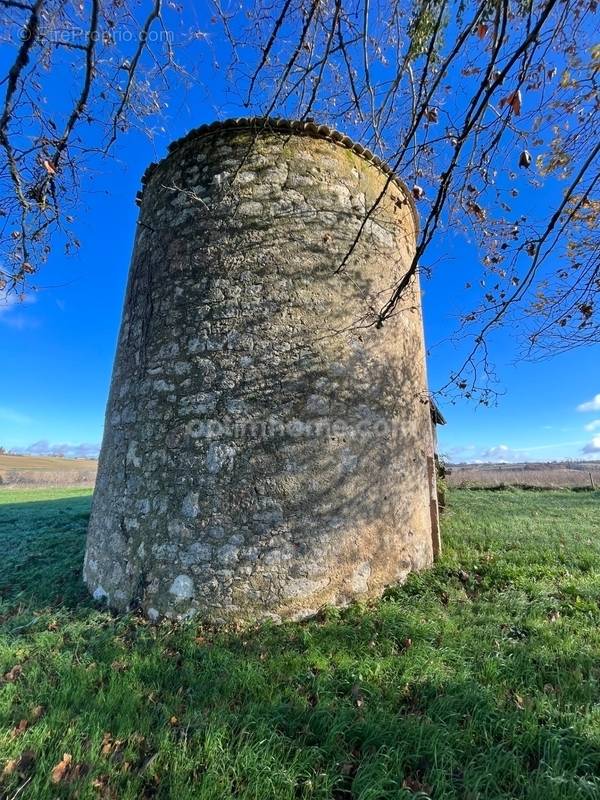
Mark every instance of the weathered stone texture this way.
pixel 265 449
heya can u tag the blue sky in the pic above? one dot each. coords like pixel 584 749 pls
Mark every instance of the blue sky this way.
pixel 58 345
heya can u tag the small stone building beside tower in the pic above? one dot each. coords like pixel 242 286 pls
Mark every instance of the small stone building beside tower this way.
pixel 268 450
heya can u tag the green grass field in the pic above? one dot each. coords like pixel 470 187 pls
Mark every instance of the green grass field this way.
pixel 479 679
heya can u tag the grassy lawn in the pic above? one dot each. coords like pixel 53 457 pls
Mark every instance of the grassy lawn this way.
pixel 479 679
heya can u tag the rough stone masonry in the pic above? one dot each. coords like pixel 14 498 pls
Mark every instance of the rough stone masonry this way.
pixel 267 449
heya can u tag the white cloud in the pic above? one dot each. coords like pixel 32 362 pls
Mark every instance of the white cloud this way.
pixel 40 448
pixel 593 446
pixel 14 417
pixel 502 453
pixel 497 450
pixel 19 321
pixel 44 448
pixel 590 405
pixel 499 454
pixel 9 301
pixel 594 425
pixel 459 450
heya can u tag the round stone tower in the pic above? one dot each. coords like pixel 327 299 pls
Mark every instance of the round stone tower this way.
pixel 267 449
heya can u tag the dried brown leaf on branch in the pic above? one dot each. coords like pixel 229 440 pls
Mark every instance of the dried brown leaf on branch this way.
pixel 477 210
pixel 514 100
pixel 422 94
pixel 525 159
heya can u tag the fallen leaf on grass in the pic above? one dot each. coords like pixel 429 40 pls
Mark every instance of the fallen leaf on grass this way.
pixel 37 713
pixel 10 767
pixel 415 785
pixel 61 770
pixel 21 764
pixel 20 728
pixel 100 784
pixel 80 771
pixel 13 674
pixel 358 696
pixel 65 770
pixel 111 746
pixel 147 762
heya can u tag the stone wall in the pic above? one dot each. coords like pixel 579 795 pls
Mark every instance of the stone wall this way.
pixel 266 446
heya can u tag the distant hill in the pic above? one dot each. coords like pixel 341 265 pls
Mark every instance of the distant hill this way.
pixel 528 465
pixel 17 470
pixel 551 474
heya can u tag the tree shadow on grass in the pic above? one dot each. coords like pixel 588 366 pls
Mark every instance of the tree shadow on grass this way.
pixel 388 702
pixel 301 711
pixel 42 544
